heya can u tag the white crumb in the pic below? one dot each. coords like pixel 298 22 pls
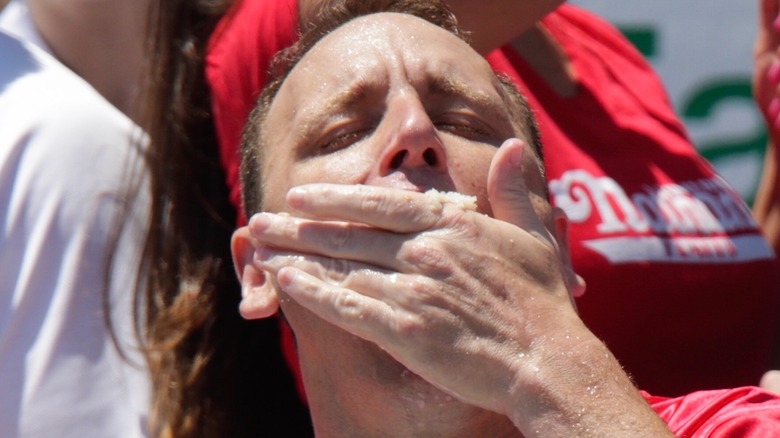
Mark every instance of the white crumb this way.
pixel 466 202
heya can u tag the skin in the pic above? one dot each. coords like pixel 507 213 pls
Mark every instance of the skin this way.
pixel 100 40
pixel 393 296
pixel 491 22
pixel 766 87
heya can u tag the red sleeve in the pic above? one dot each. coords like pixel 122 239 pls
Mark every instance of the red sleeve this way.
pixel 740 412
pixel 237 60
pixel 238 57
pixel 614 151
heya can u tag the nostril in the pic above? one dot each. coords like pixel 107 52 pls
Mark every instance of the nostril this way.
pixel 398 159
pixel 430 157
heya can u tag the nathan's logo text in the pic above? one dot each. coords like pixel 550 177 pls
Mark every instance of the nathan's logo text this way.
pixel 701 220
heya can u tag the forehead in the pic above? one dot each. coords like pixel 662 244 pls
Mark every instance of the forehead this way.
pixel 382 48
pixel 387 31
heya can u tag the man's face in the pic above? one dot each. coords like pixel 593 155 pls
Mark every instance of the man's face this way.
pixel 386 100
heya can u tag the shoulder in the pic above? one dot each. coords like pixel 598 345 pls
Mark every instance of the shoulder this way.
pixel 35 86
pixel 41 101
pixel 58 135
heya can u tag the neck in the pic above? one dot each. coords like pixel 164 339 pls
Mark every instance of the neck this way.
pixel 102 41
pixel 548 58
pixel 383 398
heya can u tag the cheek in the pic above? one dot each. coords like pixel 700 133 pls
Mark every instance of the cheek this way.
pixel 469 175
pixel 275 187
pixel 349 166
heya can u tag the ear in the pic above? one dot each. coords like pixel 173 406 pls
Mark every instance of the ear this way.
pixel 575 282
pixel 258 296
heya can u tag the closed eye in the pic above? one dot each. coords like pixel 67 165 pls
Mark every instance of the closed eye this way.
pixel 340 139
pixel 466 128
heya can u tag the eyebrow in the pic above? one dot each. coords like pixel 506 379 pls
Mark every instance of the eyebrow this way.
pixel 434 86
pixel 452 88
pixel 347 98
pixel 341 100
pixel 449 87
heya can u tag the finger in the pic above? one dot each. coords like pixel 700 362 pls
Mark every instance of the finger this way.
pixel 771 381
pixel 507 191
pixel 359 314
pixel 337 240
pixel 419 253
pixel 411 293
pixel 386 321
pixel 367 279
pixel 390 209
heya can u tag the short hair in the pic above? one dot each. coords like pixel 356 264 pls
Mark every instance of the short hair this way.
pixel 330 16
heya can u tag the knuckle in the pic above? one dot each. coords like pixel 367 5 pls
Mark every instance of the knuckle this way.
pixel 426 293
pixel 370 201
pixel 348 304
pixel 428 256
pixel 340 238
pixel 337 271
pixel 410 326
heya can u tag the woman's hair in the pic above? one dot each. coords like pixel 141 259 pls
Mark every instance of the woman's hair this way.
pixel 213 373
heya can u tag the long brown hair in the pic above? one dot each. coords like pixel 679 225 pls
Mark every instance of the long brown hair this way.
pixel 213 373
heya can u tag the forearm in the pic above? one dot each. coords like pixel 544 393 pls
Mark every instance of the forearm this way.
pixel 496 22
pixel 492 23
pixel 766 206
pixel 579 389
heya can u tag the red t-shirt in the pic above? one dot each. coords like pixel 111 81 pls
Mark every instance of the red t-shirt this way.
pixel 739 412
pixel 681 285
pixel 237 61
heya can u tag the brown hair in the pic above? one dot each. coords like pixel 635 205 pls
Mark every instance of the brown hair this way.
pixel 213 373
pixel 332 15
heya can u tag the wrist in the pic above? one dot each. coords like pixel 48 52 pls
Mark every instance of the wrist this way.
pixel 573 386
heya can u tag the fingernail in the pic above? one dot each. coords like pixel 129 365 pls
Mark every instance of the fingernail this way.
pixel 774 72
pixel 516 155
pixel 260 222
pixel 296 197
pixel 773 110
pixel 263 254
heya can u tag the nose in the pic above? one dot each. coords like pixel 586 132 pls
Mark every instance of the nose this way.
pixel 412 139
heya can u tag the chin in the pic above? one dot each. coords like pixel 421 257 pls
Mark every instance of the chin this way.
pixel 399 382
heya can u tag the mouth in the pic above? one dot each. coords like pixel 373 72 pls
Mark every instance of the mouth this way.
pixel 413 180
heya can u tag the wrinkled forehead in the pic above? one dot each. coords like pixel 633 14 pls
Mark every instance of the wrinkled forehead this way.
pixel 377 49
pixel 388 32
pixel 378 44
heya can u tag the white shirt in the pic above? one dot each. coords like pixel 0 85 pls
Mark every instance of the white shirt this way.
pixel 64 157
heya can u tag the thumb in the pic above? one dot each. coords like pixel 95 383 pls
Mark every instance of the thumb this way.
pixel 507 191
